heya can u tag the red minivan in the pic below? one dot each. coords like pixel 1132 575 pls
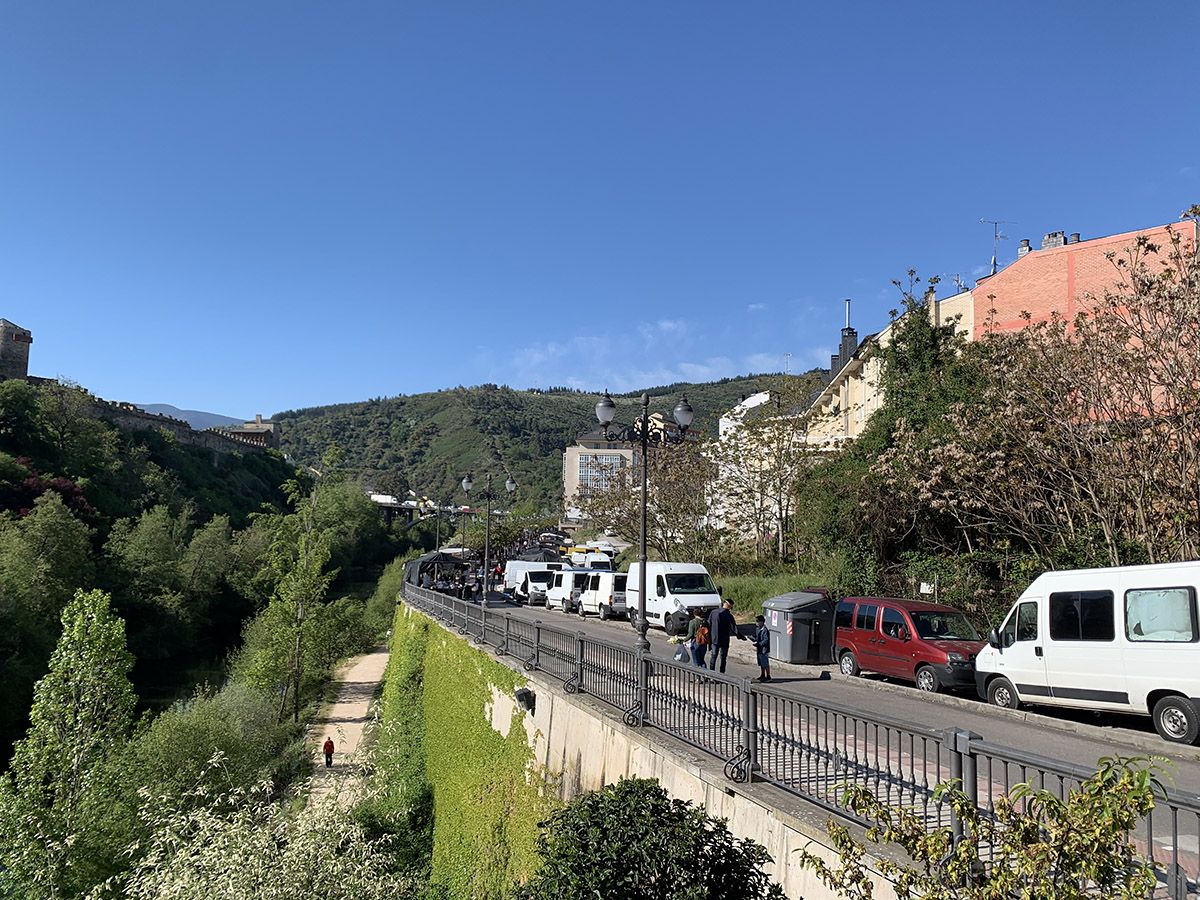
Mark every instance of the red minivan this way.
pixel 927 643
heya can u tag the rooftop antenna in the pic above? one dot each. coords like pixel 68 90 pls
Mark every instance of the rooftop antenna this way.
pixel 997 237
pixel 787 364
pixel 847 312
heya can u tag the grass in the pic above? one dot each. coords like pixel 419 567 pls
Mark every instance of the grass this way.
pixel 749 591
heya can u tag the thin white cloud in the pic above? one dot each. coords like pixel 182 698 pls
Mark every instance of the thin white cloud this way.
pixel 1188 172
pixel 755 307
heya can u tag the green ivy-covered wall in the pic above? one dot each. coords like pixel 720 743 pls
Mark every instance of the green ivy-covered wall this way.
pixel 487 794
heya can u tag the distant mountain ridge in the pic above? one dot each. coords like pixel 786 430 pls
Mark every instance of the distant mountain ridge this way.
pixel 427 442
pixel 198 419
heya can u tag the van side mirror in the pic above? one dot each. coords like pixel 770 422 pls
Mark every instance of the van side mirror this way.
pixel 660 591
pixel 993 638
pixel 720 591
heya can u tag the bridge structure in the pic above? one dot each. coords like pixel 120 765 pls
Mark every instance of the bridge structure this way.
pixel 813 751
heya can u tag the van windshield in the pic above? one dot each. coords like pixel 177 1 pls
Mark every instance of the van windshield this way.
pixel 943 626
pixel 540 577
pixel 690 583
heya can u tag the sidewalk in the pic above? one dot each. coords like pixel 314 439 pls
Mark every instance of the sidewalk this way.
pixel 355 685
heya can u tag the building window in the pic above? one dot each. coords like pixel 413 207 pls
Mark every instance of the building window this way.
pixel 596 470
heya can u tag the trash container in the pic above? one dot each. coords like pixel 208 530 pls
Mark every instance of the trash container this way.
pixel 801 627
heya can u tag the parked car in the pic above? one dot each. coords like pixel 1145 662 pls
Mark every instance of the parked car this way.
pixel 673 590
pixel 516 569
pixel 930 644
pixel 534 587
pixel 604 595
pixel 565 588
pixel 1125 639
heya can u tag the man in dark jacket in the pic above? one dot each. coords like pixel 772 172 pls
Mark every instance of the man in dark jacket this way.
pixel 721 627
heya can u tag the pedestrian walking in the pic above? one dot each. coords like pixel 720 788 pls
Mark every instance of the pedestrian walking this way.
pixel 762 647
pixel 328 751
pixel 697 636
pixel 721 627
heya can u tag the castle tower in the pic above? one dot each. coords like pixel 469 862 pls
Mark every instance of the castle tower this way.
pixel 14 350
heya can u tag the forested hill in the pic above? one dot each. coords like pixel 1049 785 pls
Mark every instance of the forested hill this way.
pixel 429 441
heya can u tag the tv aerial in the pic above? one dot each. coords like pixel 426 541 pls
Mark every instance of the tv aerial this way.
pixel 997 236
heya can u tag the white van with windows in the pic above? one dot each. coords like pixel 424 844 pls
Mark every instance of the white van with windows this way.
pixel 565 588
pixel 1124 639
pixel 673 590
pixel 591 560
pixel 604 595
pixel 515 570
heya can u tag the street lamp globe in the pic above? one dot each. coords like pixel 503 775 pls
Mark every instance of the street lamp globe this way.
pixel 510 485
pixel 684 413
pixel 467 484
pixel 606 410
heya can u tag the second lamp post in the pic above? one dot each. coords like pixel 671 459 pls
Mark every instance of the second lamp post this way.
pixel 488 497
pixel 640 432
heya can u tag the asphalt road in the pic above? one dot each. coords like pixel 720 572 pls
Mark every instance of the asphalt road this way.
pixel 1044 732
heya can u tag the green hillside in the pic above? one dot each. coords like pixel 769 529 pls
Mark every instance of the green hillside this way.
pixel 428 441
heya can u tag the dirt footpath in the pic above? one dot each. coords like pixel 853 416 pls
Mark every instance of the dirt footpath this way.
pixel 355 685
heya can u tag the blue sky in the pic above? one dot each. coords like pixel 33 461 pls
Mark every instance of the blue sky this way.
pixel 248 207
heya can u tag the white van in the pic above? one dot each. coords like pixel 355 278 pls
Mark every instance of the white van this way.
pixel 673 590
pixel 604 595
pixel 515 569
pixel 1124 639
pixel 565 589
pixel 591 560
pixel 534 587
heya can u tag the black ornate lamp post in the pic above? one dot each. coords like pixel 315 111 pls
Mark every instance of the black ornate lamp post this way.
pixel 640 432
pixel 488 497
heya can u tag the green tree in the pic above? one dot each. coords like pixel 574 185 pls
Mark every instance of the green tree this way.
pixel 631 839
pixel 82 711
pixel 1038 846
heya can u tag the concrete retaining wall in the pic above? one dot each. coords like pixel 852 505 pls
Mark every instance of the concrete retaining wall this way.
pixel 581 744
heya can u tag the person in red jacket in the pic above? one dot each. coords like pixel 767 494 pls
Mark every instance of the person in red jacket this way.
pixel 328 750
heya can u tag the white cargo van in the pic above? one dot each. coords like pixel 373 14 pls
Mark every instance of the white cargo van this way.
pixel 515 569
pixel 534 586
pixel 604 595
pixel 565 589
pixel 591 560
pixel 1123 639
pixel 673 590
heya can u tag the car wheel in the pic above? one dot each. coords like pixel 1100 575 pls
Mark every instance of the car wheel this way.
pixel 604 613
pixel 849 664
pixel 669 625
pixel 1176 719
pixel 927 680
pixel 1002 693
pixel 579 609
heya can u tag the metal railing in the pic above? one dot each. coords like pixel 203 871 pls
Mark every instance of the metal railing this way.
pixel 810 750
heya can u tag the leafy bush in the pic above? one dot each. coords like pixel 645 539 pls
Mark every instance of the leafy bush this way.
pixel 1038 846
pixel 631 839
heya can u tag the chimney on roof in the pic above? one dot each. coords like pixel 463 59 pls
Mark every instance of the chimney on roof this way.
pixel 1024 248
pixel 1074 238
pixel 258 418
pixel 1053 239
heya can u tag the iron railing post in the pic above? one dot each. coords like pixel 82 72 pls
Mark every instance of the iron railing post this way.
pixel 579 639
pixel 537 644
pixel 507 623
pixel 643 684
pixel 950 741
pixel 750 728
